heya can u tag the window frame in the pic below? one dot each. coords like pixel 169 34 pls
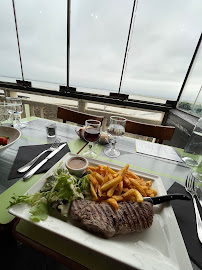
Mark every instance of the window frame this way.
pixel 115 98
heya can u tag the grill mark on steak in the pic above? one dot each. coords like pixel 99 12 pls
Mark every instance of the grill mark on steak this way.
pixel 122 226
pixel 97 220
pixel 133 215
pixel 109 214
pixel 146 211
pixel 89 218
pixel 103 219
pixel 142 216
pixel 76 208
pixel 103 216
pixel 128 225
pixel 111 218
pixel 150 217
pixel 146 214
pixel 127 215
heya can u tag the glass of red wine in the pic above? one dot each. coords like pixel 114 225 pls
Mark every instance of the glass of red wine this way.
pixel 91 135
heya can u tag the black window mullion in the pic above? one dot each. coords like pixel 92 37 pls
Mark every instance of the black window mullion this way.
pixel 18 41
pixel 68 39
pixel 190 67
pixel 127 43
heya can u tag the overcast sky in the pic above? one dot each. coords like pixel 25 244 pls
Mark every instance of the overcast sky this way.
pixel 165 34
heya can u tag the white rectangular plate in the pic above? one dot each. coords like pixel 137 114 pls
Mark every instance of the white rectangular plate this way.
pixel 159 247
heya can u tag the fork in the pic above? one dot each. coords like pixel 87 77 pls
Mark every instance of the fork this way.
pixel 189 186
pixel 31 162
pixel 198 194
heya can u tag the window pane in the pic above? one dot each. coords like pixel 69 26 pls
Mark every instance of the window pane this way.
pixel 99 32
pixel 9 57
pixel 45 85
pixel 93 91
pixel 197 107
pixel 165 34
pixel 42 32
pixel 43 100
pixel 139 115
pixel 191 98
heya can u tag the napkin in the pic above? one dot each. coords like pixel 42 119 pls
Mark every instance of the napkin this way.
pixel 185 215
pixel 27 153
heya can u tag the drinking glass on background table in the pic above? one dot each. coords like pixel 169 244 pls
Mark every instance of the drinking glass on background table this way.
pixel 91 135
pixel 51 130
pixel 116 129
pixel 10 111
pixel 3 112
pixel 15 110
pixel 192 154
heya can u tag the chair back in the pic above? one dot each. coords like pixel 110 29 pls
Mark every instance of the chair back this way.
pixel 76 117
pixel 156 131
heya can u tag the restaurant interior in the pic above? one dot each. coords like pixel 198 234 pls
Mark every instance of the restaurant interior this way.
pixel 68 61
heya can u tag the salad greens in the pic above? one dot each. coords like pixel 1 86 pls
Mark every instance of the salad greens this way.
pixel 59 191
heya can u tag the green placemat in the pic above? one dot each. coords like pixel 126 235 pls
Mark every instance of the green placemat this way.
pixel 75 145
pixel 18 188
pixel 97 148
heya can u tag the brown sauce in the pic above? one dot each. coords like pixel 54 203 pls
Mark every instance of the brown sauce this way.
pixel 76 163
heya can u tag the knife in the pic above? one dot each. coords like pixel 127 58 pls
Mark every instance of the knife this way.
pixel 33 170
pixel 166 198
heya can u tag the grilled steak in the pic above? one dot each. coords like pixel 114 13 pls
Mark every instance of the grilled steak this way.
pixel 101 218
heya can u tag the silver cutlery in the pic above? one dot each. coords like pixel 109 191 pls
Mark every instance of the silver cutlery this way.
pixel 31 162
pixel 198 194
pixel 189 186
pixel 33 170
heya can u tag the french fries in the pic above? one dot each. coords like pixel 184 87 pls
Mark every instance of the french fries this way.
pixel 92 179
pixel 98 177
pixel 112 186
pixel 111 183
pixel 113 203
pixel 93 191
pixel 110 192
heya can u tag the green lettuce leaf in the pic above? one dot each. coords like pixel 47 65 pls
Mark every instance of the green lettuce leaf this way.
pixel 58 192
pixel 39 211
pixel 29 199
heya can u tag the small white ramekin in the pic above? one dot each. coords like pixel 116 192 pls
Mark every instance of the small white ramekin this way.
pixel 77 172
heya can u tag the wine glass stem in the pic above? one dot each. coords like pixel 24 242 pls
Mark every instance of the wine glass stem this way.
pixel 12 119
pixel 90 145
pixel 17 117
pixel 113 143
